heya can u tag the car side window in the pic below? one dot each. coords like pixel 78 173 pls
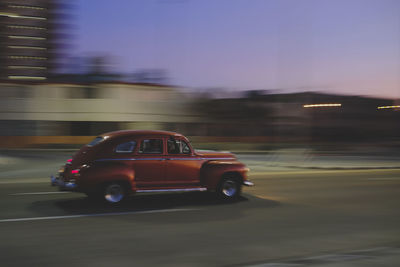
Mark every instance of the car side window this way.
pixel 127 147
pixel 178 147
pixel 185 148
pixel 151 146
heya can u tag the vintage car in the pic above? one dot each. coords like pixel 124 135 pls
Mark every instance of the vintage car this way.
pixel 117 164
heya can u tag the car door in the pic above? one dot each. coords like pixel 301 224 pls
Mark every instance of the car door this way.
pixel 182 165
pixel 149 163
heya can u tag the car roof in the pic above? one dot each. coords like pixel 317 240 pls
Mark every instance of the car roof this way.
pixel 139 133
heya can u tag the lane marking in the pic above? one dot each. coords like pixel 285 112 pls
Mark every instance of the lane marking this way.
pixel 40 193
pixel 24 181
pixel 337 257
pixel 92 215
pixel 328 259
pixel 276 264
pixel 273 198
pixel 388 178
pixel 314 171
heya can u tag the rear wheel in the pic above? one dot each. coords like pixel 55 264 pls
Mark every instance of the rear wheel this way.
pixel 114 192
pixel 229 188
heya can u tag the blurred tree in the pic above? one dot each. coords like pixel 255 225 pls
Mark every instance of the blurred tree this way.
pixel 158 76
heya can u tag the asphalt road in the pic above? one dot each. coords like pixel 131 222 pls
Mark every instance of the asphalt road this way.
pixel 286 217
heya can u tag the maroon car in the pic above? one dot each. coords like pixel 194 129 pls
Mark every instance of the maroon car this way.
pixel 120 163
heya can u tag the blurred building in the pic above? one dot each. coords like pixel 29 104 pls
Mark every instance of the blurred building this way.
pixel 87 109
pixel 49 113
pixel 27 35
pixel 283 118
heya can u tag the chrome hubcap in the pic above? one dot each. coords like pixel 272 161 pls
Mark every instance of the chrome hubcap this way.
pixel 229 188
pixel 114 193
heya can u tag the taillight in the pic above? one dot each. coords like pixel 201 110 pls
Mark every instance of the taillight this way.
pixel 76 172
pixel 69 160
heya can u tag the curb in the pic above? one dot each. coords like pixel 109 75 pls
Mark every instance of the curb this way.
pixel 39 149
pixel 342 168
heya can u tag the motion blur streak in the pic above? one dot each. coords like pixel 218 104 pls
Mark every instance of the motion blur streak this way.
pixel 306 93
pixel 92 215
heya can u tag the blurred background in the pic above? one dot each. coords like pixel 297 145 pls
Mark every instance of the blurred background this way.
pixel 237 75
pixel 306 93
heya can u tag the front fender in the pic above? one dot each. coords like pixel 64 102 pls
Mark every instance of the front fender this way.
pixel 104 172
pixel 213 171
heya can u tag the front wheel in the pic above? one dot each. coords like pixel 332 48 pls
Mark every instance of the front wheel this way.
pixel 114 193
pixel 229 188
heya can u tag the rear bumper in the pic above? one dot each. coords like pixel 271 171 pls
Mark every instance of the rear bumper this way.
pixel 248 183
pixel 68 186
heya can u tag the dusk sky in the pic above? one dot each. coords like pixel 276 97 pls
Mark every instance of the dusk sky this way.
pixel 336 46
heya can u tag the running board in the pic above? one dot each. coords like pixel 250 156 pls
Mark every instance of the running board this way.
pixel 172 190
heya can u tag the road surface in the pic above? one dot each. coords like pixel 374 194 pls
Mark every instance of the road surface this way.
pixel 290 218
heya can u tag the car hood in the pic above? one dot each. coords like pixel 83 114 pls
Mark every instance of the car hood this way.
pixel 215 154
pixel 83 155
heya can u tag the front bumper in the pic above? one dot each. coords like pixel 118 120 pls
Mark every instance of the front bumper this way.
pixel 63 185
pixel 248 183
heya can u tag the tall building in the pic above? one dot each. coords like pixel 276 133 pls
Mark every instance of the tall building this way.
pixel 26 39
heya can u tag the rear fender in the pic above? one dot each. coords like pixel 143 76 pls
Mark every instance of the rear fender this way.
pixel 213 171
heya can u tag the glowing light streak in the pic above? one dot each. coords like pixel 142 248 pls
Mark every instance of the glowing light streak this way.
pixel 322 105
pixel 13 15
pixel 388 107
pixel 27 47
pixel 26 78
pixel 26 27
pixel 27 67
pixel 27 7
pixel 26 37
pixel 27 57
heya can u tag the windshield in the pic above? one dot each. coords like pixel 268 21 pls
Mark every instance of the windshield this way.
pixel 96 141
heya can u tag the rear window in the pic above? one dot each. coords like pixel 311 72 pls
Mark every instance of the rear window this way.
pixel 96 141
